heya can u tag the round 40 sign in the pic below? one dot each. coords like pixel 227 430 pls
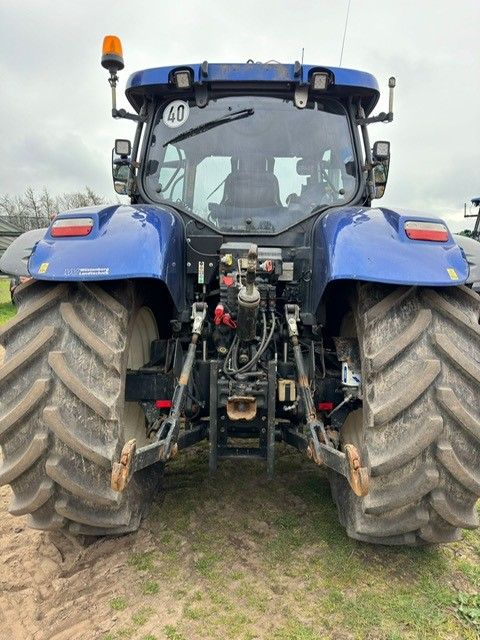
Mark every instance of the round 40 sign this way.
pixel 175 114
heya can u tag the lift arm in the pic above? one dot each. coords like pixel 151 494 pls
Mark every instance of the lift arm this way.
pixel 167 441
pixel 347 463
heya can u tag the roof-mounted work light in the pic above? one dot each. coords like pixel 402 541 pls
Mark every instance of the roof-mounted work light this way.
pixel 182 79
pixel 381 150
pixel 123 148
pixel 320 80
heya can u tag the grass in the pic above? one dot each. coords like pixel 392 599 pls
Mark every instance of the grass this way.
pixel 150 588
pixel 247 558
pixel 171 633
pixel 7 310
pixel 118 604
pixel 142 561
pixel 267 560
pixel 142 616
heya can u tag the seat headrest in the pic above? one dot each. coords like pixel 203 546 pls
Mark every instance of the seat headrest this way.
pixel 307 166
pixel 250 164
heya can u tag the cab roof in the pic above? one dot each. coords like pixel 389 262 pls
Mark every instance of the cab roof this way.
pixel 345 82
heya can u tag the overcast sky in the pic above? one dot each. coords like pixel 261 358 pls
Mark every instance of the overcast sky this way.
pixel 55 128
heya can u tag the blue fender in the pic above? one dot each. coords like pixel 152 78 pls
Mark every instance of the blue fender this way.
pixel 359 243
pixel 126 241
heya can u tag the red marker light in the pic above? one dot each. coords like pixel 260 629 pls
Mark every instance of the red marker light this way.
pixel 163 404
pixel 70 227
pixel 429 231
pixel 325 406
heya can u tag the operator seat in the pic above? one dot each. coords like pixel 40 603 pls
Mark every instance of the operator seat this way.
pixel 251 184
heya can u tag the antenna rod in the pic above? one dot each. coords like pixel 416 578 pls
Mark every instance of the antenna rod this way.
pixel 345 32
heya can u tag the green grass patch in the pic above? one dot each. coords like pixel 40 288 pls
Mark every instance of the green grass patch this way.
pixel 296 631
pixel 468 609
pixel 143 561
pixel 207 563
pixel 142 616
pixel 171 633
pixel 150 588
pixel 7 310
pixel 118 604
pixel 471 571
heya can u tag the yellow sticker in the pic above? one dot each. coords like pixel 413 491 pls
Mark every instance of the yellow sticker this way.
pixel 43 267
pixel 453 274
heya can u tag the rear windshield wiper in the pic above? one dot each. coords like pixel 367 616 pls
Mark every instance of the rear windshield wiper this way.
pixel 211 124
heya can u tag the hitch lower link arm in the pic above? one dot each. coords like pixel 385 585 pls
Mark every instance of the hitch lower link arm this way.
pixel 165 445
pixel 347 462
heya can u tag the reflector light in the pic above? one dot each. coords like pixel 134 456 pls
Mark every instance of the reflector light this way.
pixel 325 406
pixel 71 227
pixel 163 404
pixel 429 231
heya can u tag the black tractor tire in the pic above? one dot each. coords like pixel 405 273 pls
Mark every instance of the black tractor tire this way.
pixel 419 429
pixel 63 416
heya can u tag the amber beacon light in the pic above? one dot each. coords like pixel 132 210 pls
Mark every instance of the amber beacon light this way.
pixel 112 60
pixel 112 54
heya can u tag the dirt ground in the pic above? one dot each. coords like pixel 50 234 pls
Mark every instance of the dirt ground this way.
pixel 234 556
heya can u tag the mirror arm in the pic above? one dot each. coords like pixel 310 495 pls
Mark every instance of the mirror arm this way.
pixel 382 117
pixel 368 167
pixel 136 143
pixel 121 113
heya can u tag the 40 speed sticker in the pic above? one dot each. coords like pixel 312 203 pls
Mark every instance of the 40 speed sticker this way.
pixel 175 114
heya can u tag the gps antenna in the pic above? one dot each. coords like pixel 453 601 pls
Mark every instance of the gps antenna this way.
pixel 344 32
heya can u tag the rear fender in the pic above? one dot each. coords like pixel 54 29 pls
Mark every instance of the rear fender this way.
pixel 359 243
pixel 16 256
pixel 126 241
pixel 471 249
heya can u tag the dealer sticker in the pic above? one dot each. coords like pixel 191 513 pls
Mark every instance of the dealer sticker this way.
pixel 88 272
pixel 175 114
pixel 43 267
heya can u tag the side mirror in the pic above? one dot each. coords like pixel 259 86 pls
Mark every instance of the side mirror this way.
pixel 381 162
pixel 121 166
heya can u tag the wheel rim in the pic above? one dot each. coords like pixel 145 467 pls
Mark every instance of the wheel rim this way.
pixel 144 331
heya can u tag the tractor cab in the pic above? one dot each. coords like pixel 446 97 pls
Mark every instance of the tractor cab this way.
pixel 251 148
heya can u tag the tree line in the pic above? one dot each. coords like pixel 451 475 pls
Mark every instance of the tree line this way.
pixel 34 209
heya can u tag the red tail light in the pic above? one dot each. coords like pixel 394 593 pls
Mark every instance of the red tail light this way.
pixel 71 227
pixel 431 231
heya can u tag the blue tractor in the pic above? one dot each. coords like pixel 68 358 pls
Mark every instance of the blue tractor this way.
pixel 249 293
